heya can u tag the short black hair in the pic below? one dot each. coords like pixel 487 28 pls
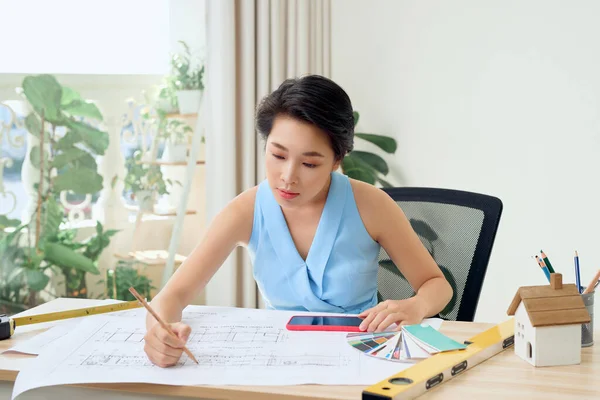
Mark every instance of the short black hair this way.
pixel 313 99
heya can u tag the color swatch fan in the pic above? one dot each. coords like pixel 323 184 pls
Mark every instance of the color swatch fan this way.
pixel 384 345
pixel 411 343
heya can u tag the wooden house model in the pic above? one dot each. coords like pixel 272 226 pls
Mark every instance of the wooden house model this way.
pixel 548 323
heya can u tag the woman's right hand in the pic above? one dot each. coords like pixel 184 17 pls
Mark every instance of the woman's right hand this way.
pixel 161 347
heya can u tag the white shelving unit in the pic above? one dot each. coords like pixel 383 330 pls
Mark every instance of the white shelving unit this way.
pixel 169 258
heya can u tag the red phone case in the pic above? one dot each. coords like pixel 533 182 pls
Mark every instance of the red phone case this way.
pixel 321 328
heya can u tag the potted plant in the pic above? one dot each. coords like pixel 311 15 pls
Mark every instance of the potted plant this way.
pixel 366 166
pixel 177 135
pixel 166 99
pixel 92 248
pixel 144 181
pixel 65 163
pixel 187 80
pixel 175 132
pixel 20 276
pixel 121 278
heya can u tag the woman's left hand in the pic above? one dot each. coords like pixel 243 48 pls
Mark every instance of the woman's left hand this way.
pixel 402 312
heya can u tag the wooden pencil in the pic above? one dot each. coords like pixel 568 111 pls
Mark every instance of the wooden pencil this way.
pixel 160 321
pixel 592 284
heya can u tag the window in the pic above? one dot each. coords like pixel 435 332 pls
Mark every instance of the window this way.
pixel 108 50
pixel 12 154
pixel 85 36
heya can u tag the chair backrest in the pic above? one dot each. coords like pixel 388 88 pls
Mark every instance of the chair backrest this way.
pixel 458 228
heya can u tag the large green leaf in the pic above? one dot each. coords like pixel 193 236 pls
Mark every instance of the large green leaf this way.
pixel 44 93
pixel 385 143
pixel 373 160
pixel 348 163
pixel 355 169
pixel 68 140
pixel 86 161
pixel 356 116
pixel 80 181
pixel 99 228
pixel 34 156
pixel 95 139
pixel 16 272
pixel 62 256
pixel 66 237
pixel 68 96
pixel 361 174
pixel 67 156
pixel 36 279
pixel 8 222
pixel 53 216
pixel 6 241
pixel 83 108
pixel 33 124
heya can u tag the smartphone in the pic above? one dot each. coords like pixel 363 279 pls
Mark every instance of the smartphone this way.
pixel 324 323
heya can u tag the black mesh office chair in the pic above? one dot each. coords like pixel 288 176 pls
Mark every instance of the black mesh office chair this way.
pixel 458 228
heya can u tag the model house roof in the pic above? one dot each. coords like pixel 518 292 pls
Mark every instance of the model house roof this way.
pixel 555 304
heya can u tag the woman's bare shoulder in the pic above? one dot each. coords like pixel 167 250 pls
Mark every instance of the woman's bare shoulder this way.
pixel 246 199
pixel 372 204
pixel 369 196
pixel 241 209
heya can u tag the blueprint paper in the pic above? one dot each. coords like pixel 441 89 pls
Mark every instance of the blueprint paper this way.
pixel 36 344
pixel 233 346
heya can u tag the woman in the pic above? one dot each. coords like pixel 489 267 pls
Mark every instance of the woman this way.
pixel 314 235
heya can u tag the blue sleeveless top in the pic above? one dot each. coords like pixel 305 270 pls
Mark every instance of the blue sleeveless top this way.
pixel 340 271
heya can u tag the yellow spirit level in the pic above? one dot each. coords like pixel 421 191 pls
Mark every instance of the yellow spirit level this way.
pixel 442 367
pixel 8 325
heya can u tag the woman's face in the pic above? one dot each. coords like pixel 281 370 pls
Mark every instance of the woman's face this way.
pixel 298 160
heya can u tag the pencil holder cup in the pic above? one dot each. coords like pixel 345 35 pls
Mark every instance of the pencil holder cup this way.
pixel 587 330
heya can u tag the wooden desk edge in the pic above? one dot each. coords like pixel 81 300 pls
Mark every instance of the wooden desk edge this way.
pixel 8 375
pixel 215 392
pixel 200 391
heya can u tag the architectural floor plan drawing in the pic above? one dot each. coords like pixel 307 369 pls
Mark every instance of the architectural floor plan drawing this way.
pixel 233 346
pixel 222 359
pixel 237 335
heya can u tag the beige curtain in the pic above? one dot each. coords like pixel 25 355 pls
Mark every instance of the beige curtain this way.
pixel 252 46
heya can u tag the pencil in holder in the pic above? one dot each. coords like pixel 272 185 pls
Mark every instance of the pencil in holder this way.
pixel 587 330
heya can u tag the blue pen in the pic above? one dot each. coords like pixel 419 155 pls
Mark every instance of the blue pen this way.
pixel 577 275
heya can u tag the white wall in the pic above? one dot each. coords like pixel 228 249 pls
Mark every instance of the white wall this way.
pixel 498 97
